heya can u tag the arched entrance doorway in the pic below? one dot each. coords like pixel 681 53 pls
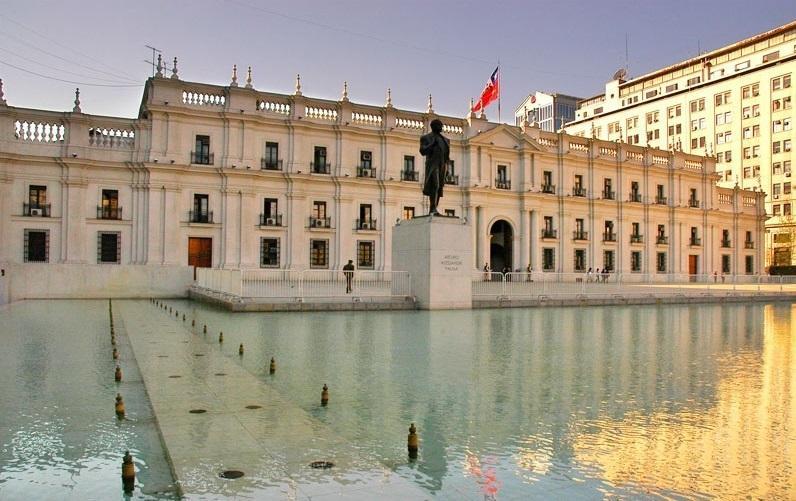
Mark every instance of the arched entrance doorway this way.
pixel 500 246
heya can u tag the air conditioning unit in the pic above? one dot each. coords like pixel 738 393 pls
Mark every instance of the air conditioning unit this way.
pixel 787 174
pixel 271 221
pixel 35 212
pixel 365 225
pixel 366 155
pixel 319 223
pixel 366 172
pixel 776 197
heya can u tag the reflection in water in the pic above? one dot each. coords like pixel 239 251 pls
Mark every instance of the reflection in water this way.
pixel 669 400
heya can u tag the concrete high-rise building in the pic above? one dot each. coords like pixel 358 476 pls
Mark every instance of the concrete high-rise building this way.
pixel 548 111
pixel 734 103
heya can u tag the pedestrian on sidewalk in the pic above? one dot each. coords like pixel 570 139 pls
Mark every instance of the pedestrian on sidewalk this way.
pixel 348 271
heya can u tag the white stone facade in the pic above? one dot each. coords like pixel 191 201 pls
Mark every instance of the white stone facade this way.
pixel 203 149
pixel 734 103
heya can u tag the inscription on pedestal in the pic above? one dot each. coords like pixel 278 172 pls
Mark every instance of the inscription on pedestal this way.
pixel 451 262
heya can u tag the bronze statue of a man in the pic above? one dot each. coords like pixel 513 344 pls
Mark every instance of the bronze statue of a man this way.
pixel 436 148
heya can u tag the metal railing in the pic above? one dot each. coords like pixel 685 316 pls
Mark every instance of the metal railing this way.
pixel 109 212
pixel 662 240
pixel 200 216
pixel 201 158
pixel 366 224
pixel 301 284
pixel 749 245
pixel 609 237
pixel 408 175
pixel 634 197
pixel 578 191
pixel 541 285
pixel 549 188
pixel 452 179
pixel 270 164
pixel 270 219
pixel 608 195
pixel 503 184
pixel 363 171
pixel 42 210
pixel 320 222
pixel 726 244
pixel 693 203
pixel 320 167
pixel 549 233
pixel 661 200
pixel 636 239
pixel 580 235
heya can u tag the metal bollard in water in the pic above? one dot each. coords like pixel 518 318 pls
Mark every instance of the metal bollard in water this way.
pixel 240 350
pixel 115 354
pixel 128 472
pixel 272 367
pixel 412 442
pixel 118 375
pixel 325 395
pixel 119 406
pixel 221 337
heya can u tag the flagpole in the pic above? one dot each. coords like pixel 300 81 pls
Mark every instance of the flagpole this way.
pixel 500 84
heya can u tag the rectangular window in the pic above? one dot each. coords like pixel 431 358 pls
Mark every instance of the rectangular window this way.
pixel 635 261
pixel 319 253
pixel 271 159
pixel 750 265
pixel 109 247
pixel 548 223
pixel 580 260
pixel 201 154
pixel 109 208
pixel 660 262
pixel 742 66
pixel 409 212
pixel 366 221
pixel 37 246
pixel 319 163
pixel 366 159
pixel 37 196
pixel 201 209
pixel 365 254
pixel 725 263
pixel 269 253
pixel 548 259
pixel 608 260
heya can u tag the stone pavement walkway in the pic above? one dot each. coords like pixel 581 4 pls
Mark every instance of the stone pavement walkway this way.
pixel 246 424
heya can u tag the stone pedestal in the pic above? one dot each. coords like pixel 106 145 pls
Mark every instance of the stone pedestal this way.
pixel 438 254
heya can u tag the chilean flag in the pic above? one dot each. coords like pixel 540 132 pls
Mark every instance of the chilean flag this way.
pixel 490 93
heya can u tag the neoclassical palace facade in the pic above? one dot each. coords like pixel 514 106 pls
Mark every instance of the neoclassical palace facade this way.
pixel 234 177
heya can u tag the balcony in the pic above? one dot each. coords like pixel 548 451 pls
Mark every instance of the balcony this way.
pixel 320 167
pixel 41 210
pixel 502 184
pixel 320 222
pixel 201 158
pixel 549 188
pixel 607 237
pixel 634 197
pixel 726 244
pixel 408 175
pixel 366 171
pixel 609 195
pixel 693 203
pixel 452 179
pixel 549 233
pixel 580 235
pixel 200 216
pixel 662 240
pixel 366 224
pixel 270 164
pixel 661 200
pixel 695 242
pixel 109 212
pixel 270 219
pixel 749 245
pixel 636 239
pixel 578 191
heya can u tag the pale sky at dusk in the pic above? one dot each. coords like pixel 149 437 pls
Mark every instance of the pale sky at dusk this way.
pixel 415 47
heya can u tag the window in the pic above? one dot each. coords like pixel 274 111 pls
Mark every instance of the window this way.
pixel 742 65
pixel 365 253
pixel 366 159
pixel 365 221
pixel 776 147
pixel 725 263
pixel 608 260
pixel 723 118
pixel 37 199
pixel 608 192
pixel 319 253
pixel 723 137
pixel 675 129
pixel 660 262
pixel 776 167
pixel 771 56
pixel 318 217
pixel 671 87
pixel 269 253
pixel 408 213
pixel 580 260
pixel 786 188
pixel 547 181
pixel 631 123
pixel 776 210
pixel 674 111
pixel 548 259
pixel 608 231
pixel 786 145
pixel 271 159
pixel 548 224
pixel 786 209
pixel 635 261
pixel 635 229
pixel 37 246
pixel 502 173
pixel 201 154
pixel 271 215
pixel 652 117
pixel 408 173
pixel 693 81
pixel 110 205
pixel 780 82
pixel 750 268
pixel 201 209
pixel 109 247
pixel 698 142
pixel 722 98
pixel 319 164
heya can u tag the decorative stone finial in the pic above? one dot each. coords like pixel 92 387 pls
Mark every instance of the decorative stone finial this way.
pixel 77 109
pixel 249 78
pixel 234 82
pixel 471 113
pixel 482 115
pixel 298 84
pixel 345 92
pixel 388 104
pixel 159 73
pixel 430 107
pixel 2 95
pixel 174 70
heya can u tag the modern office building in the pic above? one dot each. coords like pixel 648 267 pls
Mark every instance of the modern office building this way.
pixel 734 104
pixel 547 111
pixel 233 177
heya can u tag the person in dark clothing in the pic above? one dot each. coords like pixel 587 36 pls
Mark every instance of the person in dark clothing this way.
pixel 348 271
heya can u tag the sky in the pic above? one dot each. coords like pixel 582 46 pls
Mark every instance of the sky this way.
pixel 446 48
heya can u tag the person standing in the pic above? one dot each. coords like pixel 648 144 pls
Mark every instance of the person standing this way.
pixel 348 271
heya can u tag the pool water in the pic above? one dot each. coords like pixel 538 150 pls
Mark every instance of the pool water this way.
pixel 59 435
pixel 576 403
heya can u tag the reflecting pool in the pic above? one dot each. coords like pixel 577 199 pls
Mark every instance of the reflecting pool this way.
pixel 59 435
pixel 576 403
pixel 666 401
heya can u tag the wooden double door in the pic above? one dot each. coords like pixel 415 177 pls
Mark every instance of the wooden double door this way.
pixel 200 252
